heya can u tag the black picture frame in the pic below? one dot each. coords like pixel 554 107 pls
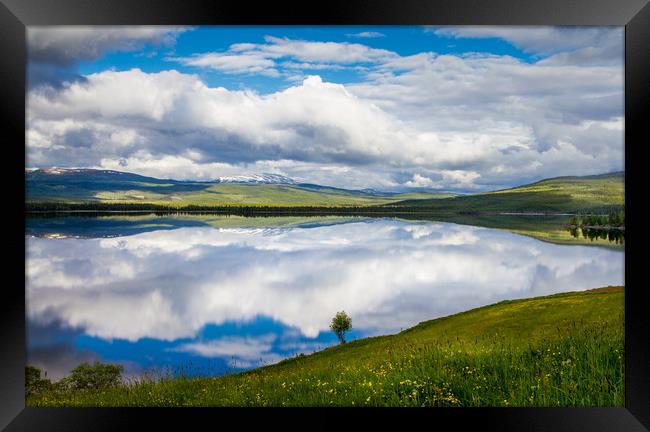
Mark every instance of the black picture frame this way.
pixel 15 15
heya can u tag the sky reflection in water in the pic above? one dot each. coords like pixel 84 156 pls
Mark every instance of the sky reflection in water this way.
pixel 217 300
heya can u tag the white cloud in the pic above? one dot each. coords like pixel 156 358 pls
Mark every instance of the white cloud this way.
pixel 539 39
pixel 262 58
pixel 70 44
pixel 246 348
pixel 311 51
pixel 313 121
pixel 232 63
pixel 421 181
pixel 312 66
pixel 182 166
pixel 491 120
pixel 453 179
pixel 366 34
pixel 507 113
pixel 460 177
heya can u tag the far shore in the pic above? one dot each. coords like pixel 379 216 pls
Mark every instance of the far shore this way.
pixel 289 211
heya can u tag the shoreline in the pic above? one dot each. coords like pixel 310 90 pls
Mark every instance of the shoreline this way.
pixel 290 211
pixel 598 227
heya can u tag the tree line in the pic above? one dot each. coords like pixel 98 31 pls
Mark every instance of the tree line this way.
pixel 615 219
pixel 248 210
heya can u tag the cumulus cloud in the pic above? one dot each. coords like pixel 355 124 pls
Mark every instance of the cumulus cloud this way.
pixel 543 40
pixel 453 179
pixel 492 121
pixel 316 51
pixel 232 63
pixel 263 58
pixel 510 117
pixel 244 347
pixel 241 352
pixel 459 176
pixel 420 181
pixel 395 118
pixel 561 45
pixel 54 51
pixel 315 121
pixel 70 44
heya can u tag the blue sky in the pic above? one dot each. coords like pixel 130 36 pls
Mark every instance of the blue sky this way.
pixel 403 40
pixel 388 107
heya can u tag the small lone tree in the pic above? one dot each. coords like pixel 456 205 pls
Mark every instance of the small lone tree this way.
pixel 95 376
pixel 340 324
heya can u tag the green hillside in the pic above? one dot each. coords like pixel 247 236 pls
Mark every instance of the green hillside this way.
pixel 93 186
pixel 559 350
pixel 598 193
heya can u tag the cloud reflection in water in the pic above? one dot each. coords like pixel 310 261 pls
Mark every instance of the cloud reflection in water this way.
pixel 387 274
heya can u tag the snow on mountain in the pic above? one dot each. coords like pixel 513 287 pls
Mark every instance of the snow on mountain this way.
pixel 257 179
pixel 89 173
pixel 56 171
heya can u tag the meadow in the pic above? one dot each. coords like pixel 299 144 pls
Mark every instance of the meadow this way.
pixel 597 194
pixel 560 350
pixel 100 191
pixel 181 194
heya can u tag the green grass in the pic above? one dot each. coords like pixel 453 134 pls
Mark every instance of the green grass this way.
pixel 563 194
pixel 559 350
pixel 203 194
pixel 599 193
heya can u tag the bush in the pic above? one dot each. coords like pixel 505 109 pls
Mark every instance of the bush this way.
pixel 33 382
pixel 340 324
pixel 96 376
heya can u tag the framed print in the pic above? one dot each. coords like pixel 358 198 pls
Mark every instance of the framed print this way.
pixel 375 208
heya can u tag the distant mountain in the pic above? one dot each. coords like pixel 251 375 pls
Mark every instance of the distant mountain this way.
pixel 80 185
pixel 599 193
pixel 89 175
pixel 84 175
pixel 257 179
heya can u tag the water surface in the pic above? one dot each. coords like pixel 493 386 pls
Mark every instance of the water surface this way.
pixel 216 295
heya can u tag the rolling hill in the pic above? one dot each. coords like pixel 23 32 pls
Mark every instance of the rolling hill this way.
pixel 75 186
pixel 597 193
pixel 559 350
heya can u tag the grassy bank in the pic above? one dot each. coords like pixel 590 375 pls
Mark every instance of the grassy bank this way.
pixel 559 350
pixel 597 194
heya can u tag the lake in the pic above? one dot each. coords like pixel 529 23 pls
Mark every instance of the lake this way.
pixel 207 294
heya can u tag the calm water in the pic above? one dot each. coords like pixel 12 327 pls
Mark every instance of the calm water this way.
pixel 213 295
